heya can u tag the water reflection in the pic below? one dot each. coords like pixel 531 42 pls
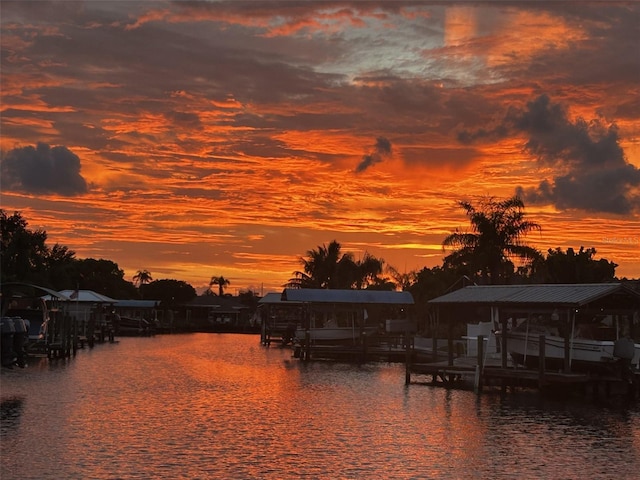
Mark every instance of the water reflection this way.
pixel 10 413
pixel 222 406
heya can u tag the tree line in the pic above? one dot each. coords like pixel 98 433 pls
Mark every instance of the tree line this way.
pixel 492 251
pixel 25 257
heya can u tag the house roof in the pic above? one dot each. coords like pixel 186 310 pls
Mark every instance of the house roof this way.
pixel 322 295
pixel 551 294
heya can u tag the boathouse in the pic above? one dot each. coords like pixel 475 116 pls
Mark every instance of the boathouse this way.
pixel 82 303
pixel 92 313
pixel 569 305
pixel 278 318
pixel 213 313
pixel 341 324
pixel 388 310
pixel 321 311
pixel 138 309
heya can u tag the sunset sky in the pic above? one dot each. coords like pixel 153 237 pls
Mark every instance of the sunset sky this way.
pixel 194 139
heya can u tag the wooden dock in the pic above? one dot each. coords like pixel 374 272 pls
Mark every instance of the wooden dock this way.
pixel 477 373
pixel 353 353
pixel 466 373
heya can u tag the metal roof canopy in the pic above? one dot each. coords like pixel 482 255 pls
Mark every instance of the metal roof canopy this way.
pixel 569 295
pixel 322 295
pixel 273 299
pixel 137 303
pixel 86 296
pixel 48 291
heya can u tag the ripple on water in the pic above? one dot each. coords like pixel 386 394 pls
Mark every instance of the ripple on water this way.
pixel 222 406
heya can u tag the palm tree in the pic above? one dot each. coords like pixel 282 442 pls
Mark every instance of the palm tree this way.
pixel 141 277
pixel 327 267
pixel 402 280
pixel 367 271
pixel 498 227
pixel 221 282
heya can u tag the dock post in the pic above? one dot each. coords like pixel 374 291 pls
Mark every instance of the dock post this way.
pixel 307 345
pixel 91 332
pixel 363 339
pixel 74 329
pixel 407 360
pixel 541 361
pixel 480 365
pixel 434 347
pixel 267 336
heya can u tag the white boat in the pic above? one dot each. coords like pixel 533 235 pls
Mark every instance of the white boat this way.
pixel 335 327
pixel 333 334
pixel 590 347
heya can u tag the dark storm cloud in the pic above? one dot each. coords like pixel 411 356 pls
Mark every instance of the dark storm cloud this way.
pixel 43 169
pixel 184 119
pixel 380 151
pixel 592 171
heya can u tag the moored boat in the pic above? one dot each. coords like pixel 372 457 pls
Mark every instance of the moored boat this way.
pixel 591 346
pixel 345 316
pixel 127 326
pixel 334 333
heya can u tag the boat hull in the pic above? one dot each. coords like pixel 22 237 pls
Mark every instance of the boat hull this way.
pixel 333 334
pixel 583 353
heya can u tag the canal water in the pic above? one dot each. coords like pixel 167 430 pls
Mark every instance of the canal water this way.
pixel 203 406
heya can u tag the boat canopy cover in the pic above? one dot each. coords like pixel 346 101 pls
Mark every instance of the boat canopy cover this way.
pixel 137 303
pixel 322 295
pixel 548 294
pixel 50 293
pixel 86 296
pixel 272 298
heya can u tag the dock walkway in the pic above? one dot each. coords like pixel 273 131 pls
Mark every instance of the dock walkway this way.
pixel 480 373
pixel 466 373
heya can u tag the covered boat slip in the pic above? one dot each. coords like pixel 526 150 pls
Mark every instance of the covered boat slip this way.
pixel 278 318
pixel 581 316
pixel 336 316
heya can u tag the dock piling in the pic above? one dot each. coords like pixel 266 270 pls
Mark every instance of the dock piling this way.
pixel 480 365
pixel 541 361
pixel 407 360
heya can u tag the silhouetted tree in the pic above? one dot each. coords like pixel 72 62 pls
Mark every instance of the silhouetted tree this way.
pixel 221 282
pixel 249 298
pixel 105 277
pixel 170 292
pixel 328 267
pixel 23 252
pixel 142 277
pixel 62 267
pixel 580 267
pixel 431 283
pixel 321 267
pixel 402 280
pixel 368 271
pixel 496 237
pixel 25 257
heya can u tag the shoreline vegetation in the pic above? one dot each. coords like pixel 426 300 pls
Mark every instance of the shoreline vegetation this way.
pixel 491 251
